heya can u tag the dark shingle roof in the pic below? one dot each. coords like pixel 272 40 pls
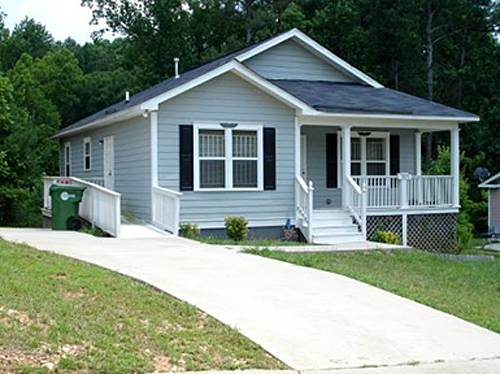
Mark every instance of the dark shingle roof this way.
pixel 161 87
pixel 354 98
pixel 325 96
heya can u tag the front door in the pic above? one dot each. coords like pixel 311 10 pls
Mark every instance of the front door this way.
pixel 303 157
pixel 109 162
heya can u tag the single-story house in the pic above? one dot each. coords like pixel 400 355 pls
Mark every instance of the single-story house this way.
pixel 493 186
pixel 281 130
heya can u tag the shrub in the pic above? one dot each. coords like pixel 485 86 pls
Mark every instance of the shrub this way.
pixel 387 237
pixel 190 230
pixel 237 228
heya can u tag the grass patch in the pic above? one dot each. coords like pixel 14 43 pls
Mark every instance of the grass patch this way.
pixel 466 289
pixel 65 315
pixel 265 243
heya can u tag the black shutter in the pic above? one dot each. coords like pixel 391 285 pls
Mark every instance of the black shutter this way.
pixel 269 158
pixel 394 161
pixel 331 161
pixel 186 157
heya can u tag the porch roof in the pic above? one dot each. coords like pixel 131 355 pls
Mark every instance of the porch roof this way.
pixel 353 98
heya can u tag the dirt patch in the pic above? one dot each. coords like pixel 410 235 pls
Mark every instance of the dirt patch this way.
pixel 74 295
pixel 12 314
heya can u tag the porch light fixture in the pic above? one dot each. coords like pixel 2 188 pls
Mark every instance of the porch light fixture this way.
pixel 228 125
pixel 364 133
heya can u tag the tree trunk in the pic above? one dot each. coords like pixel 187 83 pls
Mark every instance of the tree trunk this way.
pixel 430 72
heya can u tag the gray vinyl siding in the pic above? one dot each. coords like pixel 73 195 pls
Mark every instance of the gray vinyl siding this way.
pixel 229 98
pixel 132 162
pixel 494 201
pixel 289 60
pixel 316 161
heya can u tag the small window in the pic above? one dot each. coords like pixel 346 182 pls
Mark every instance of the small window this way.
pixel 212 155
pixel 245 159
pixel 67 159
pixel 87 154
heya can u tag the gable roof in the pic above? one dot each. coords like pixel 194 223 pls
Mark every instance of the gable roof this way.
pixel 488 183
pixel 286 91
pixel 337 97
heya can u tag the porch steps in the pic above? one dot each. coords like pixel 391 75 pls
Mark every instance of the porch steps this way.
pixel 334 226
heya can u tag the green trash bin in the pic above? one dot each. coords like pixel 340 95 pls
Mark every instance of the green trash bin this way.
pixel 65 204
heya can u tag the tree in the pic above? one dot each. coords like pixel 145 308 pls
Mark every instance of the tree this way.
pixel 28 37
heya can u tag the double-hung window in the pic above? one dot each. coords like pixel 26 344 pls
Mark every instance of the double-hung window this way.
pixel 87 154
pixel 369 154
pixel 67 159
pixel 228 157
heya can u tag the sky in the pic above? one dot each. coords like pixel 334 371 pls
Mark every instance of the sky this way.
pixel 62 18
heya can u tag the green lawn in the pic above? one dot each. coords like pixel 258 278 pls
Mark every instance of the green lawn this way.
pixel 466 289
pixel 60 313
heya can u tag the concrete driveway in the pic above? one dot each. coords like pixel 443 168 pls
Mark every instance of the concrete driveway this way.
pixel 311 320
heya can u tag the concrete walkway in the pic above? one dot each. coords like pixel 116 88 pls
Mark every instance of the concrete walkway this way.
pixel 311 320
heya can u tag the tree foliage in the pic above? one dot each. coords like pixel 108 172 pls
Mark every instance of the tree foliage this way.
pixel 446 50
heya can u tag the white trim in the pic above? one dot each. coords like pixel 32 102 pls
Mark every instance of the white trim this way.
pixel 314 47
pixel 67 159
pixel 418 153
pixel 101 122
pixel 409 211
pixel 455 164
pixel 486 183
pixel 237 68
pixel 154 148
pixel 317 113
pixel 87 140
pixel 228 158
pixel 489 209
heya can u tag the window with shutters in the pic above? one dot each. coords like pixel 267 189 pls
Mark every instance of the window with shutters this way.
pixel 369 154
pixel 67 159
pixel 87 154
pixel 228 157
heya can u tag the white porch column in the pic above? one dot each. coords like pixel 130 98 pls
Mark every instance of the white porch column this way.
pixel 455 165
pixel 346 160
pixel 154 148
pixel 297 168
pixel 418 153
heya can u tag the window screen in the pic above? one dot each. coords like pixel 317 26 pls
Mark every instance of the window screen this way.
pixel 245 159
pixel 212 153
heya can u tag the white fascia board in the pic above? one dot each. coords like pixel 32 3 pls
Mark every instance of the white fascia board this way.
pixel 314 47
pixel 240 70
pixel 101 122
pixel 317 113
pixel 487 182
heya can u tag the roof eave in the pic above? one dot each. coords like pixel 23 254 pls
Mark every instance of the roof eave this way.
pixel 318 113
pixel 122 115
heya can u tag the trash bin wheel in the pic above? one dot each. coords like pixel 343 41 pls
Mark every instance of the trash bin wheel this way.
pixel 75 224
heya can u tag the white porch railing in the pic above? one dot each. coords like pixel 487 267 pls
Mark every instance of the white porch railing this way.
pixel 357 202
pixel 166 209
pixel 100 206
pixel 304 206
pixel 430 191
pixel 407 191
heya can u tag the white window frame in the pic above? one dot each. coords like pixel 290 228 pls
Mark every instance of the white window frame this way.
pixel 67 159
pixel 364 161
pixel 86 141
pixel 228 133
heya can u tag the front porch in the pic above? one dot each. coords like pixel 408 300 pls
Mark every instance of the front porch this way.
pixel 373 172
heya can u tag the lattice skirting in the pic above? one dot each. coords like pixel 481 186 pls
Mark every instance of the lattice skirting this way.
pixel 430 232
pixel 433 232
pixel 384 223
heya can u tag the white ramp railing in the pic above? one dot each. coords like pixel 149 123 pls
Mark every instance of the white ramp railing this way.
pixel 166 209
pixel 100 206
